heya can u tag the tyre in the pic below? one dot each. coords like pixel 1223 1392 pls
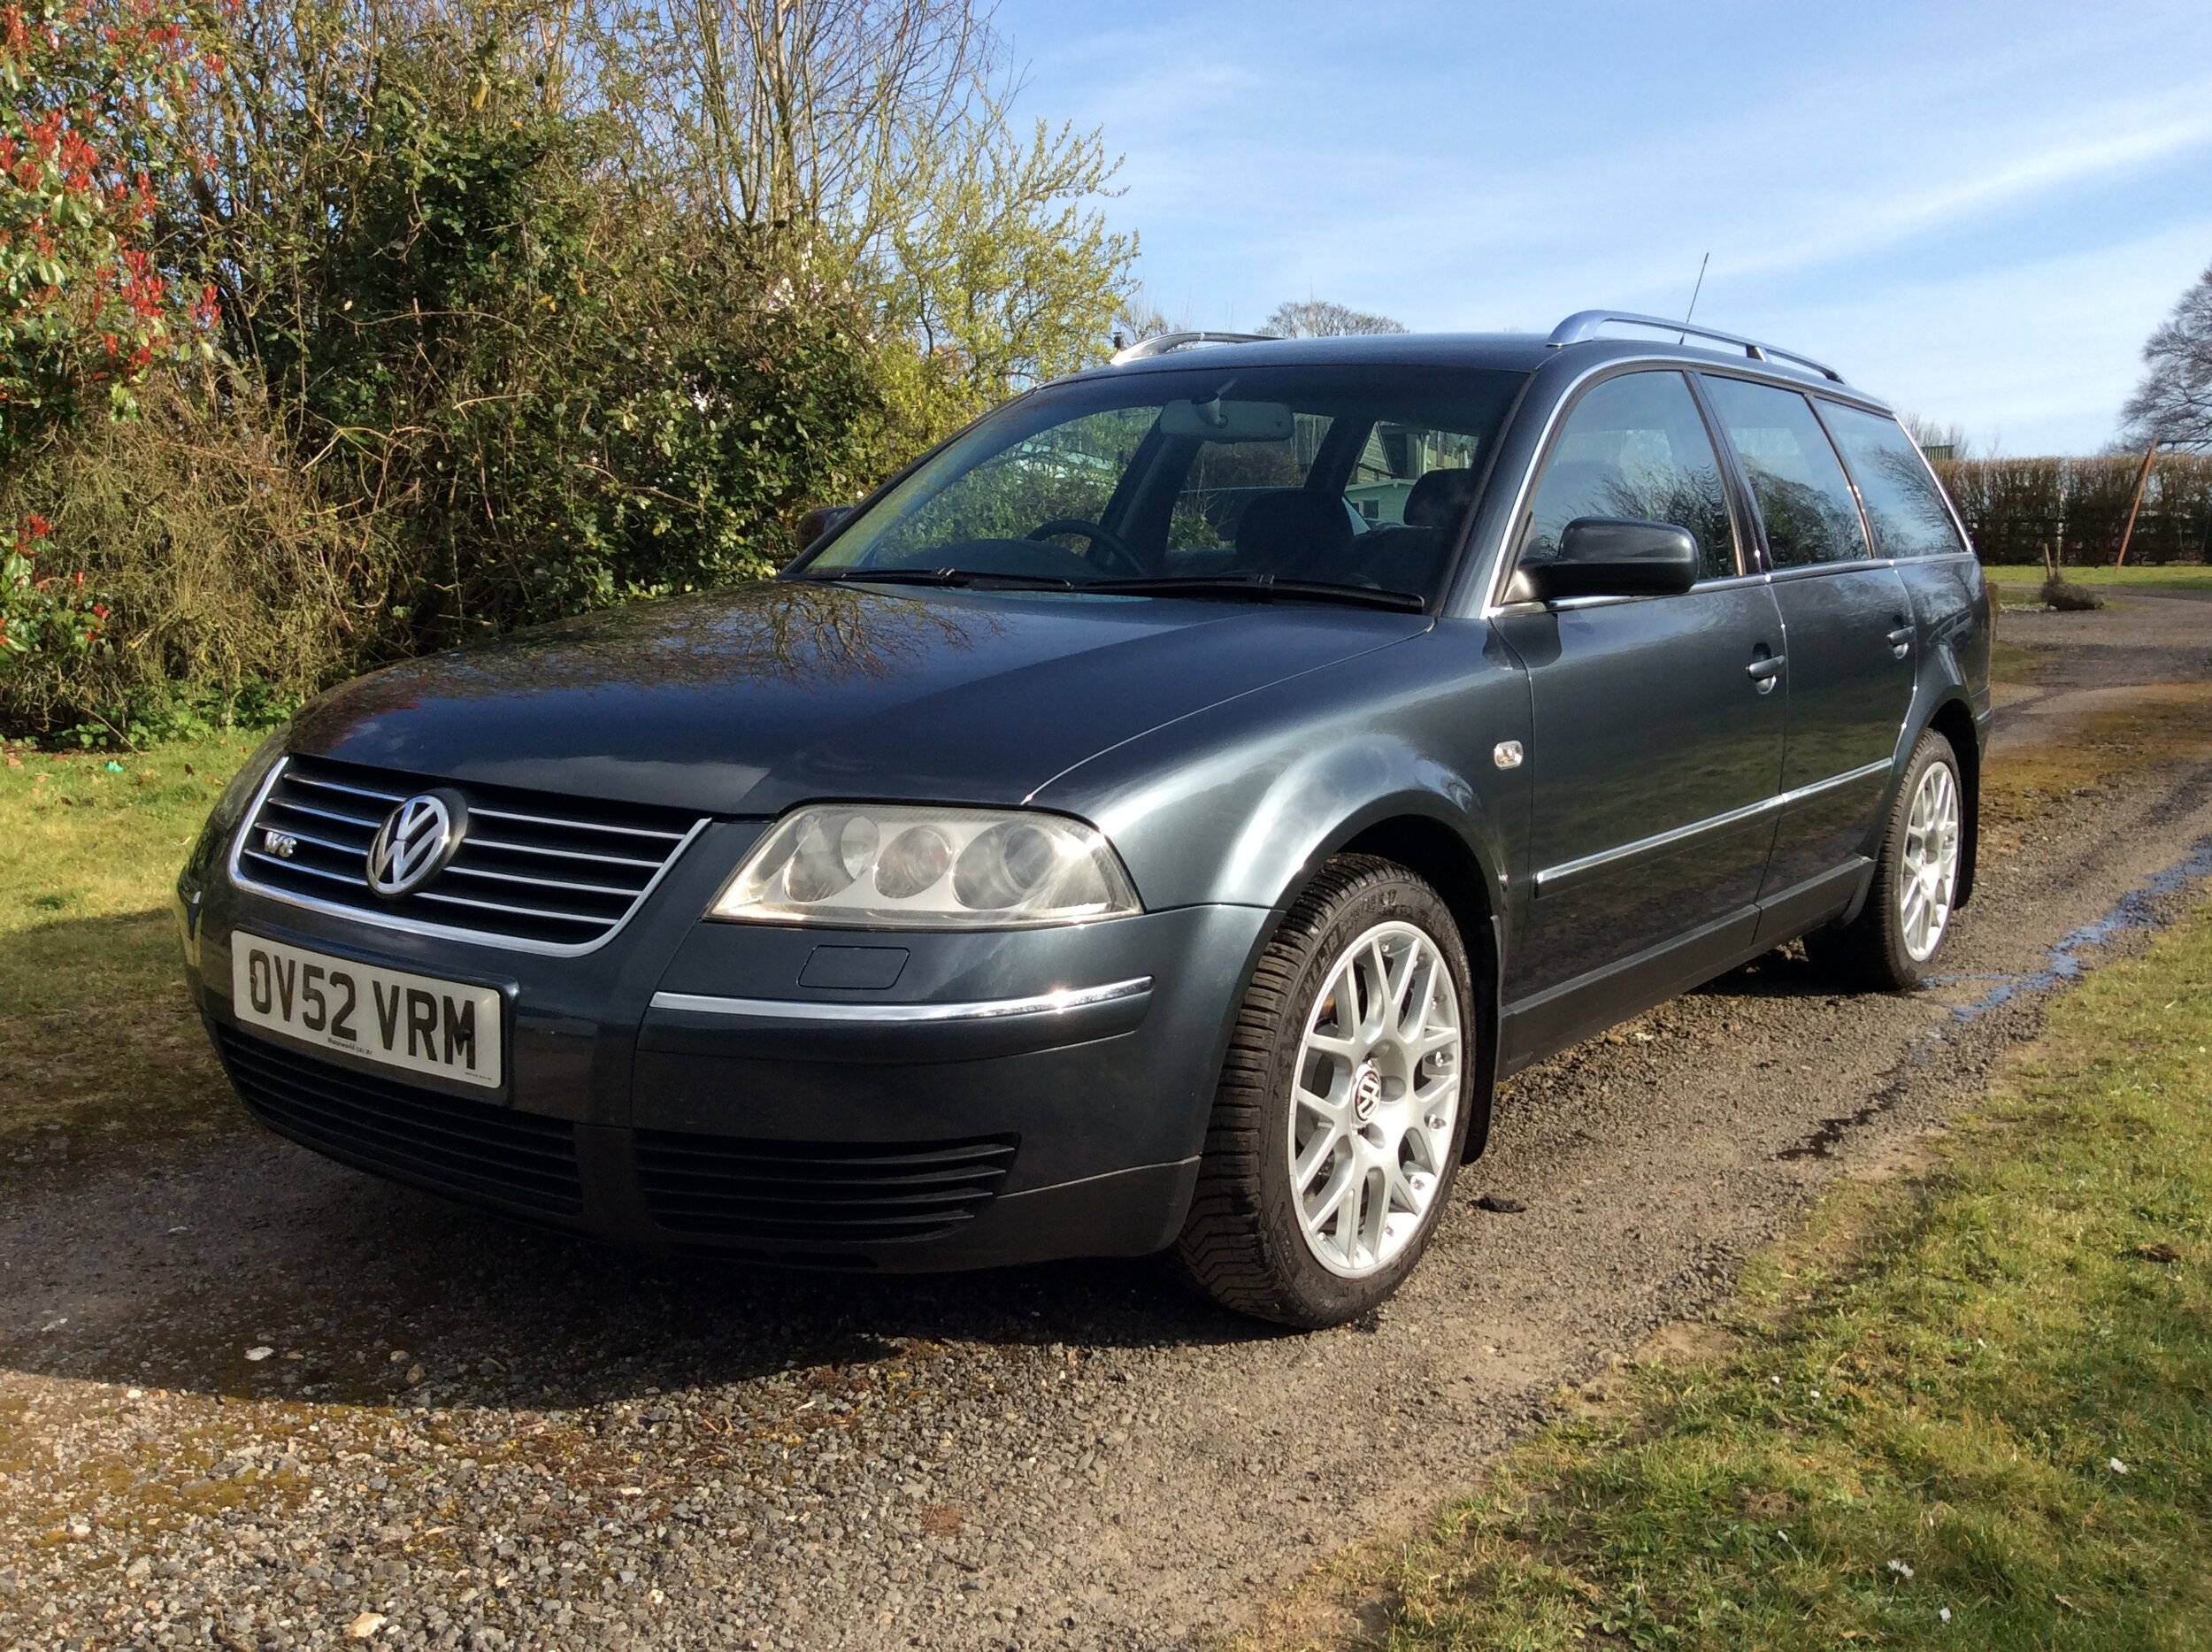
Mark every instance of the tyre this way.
pixel 1342 1107
pixel 1889 946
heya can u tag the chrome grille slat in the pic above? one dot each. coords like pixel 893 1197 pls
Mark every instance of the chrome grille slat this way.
pixel 502 906
pixel 301 865
pixel 367 824
pixel 544 883
pixel 573 825
pixel 569 892
pixel 539 848
pixel 357 791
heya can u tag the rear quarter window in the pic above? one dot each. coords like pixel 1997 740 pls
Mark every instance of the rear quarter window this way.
pixel 1904 506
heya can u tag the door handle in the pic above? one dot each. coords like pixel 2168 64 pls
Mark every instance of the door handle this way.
pixel 1764 671
pixel 1900 641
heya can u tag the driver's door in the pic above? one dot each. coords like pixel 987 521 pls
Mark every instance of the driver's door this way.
pixel 1656 733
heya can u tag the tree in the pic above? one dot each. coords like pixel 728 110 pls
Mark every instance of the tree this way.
pixel 1005 275
pixel 878 133
pixel 1935 438
pixel 2174 401
pixel 1317 317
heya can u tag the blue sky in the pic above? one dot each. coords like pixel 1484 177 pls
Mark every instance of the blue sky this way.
pixel 1977 211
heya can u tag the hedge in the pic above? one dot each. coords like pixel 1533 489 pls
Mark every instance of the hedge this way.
pixel 2078 508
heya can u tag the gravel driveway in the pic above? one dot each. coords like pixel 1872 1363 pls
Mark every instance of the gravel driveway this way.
pixel 249 1399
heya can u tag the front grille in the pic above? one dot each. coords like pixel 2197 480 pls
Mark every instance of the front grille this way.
pixel 742 1191
pixel 442 1142
pixel 558 873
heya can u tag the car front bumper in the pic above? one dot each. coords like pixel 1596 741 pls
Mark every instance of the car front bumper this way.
pixel 986 1098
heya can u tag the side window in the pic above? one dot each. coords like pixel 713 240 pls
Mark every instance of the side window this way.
pixel 1803 498
pixel 1903 505
pixel 1635 447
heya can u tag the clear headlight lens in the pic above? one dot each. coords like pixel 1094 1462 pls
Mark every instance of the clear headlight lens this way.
pixel 894 867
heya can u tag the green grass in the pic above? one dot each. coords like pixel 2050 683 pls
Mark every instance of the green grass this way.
pixel 98 1034
pixel 2021 583
pixel 1940 1374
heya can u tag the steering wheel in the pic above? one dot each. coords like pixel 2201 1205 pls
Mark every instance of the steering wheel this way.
pixel 1103 538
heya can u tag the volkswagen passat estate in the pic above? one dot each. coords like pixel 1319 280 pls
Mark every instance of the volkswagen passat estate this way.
pixel 1054 861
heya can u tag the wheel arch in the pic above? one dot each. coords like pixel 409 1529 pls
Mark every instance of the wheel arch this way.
pixel 1413 833
pixel 1953 719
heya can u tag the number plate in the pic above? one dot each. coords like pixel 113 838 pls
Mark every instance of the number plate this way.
pixel 390 1017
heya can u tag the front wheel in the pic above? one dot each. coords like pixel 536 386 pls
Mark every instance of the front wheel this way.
pixel 1888 946
pixel 1342 1108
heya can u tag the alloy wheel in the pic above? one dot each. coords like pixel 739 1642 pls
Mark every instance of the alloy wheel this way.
pixel 1928 863
pixel 1375 1099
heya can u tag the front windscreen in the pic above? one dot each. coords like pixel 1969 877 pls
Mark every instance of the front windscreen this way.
pixel 1344 476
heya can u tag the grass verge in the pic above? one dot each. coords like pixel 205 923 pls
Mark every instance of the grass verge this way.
pixel 99 1038
pixel 2020 584
pixel 1975 1409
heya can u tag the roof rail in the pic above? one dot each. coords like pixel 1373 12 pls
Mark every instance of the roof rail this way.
pixel 1584 324
pixel 1163 343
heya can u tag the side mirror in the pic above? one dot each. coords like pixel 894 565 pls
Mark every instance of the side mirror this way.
pixel 814 522
pixel 1610 556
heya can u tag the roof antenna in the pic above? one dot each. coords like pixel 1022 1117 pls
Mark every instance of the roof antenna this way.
pixel 1694 291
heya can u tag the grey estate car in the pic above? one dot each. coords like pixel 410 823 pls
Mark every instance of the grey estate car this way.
pixel 1057 860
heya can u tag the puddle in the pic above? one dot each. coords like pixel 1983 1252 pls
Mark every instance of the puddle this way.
pixel 2138 909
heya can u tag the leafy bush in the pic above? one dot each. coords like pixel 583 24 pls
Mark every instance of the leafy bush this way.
pixel 506 309
pixel 52 616
pixel 231 582
pixel 90 90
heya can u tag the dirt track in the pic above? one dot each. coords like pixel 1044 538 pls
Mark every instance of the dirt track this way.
pixel 490 1436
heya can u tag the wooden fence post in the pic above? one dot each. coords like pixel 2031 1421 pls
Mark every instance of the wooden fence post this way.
pixel 2135 503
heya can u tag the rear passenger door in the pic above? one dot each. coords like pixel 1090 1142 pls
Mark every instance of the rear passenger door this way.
pixel 1656 729
pixel 1847 638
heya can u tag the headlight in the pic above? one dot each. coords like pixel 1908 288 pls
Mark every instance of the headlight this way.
pixel 875 866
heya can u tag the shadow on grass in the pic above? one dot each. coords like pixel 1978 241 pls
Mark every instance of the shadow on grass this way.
pixel 101 1044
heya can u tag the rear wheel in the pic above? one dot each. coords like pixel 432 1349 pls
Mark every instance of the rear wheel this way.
pixel 1342 1108
pixel 1888 946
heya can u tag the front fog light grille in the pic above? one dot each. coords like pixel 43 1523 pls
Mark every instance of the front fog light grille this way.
pixel 532 870
pixel 454 1145
pixel 740 1190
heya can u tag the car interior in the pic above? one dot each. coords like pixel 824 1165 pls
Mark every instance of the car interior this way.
pixel 1228 489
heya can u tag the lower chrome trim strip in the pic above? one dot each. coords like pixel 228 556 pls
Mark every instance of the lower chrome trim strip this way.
pixel 1551 877
pixel 904 1014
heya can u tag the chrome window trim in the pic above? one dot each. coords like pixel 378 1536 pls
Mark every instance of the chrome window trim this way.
pixel 1551 877
pixel 414 925
pixel 1572 604
pixel 904 1014
pixel 1500 572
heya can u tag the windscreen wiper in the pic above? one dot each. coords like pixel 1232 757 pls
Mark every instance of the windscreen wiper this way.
pixel 1263 587
pixel 958 578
